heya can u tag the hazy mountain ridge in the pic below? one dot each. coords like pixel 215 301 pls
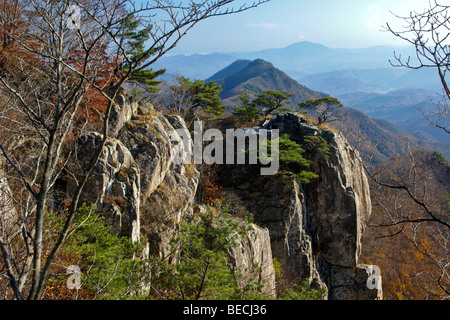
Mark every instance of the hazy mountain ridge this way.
pixel 401 108
pixel 299 58
pixel 363 79
pixel 349 81
pixel 380 138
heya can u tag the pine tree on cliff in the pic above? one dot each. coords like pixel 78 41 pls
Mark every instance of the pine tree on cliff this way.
pixel 198 94
pixel 137 54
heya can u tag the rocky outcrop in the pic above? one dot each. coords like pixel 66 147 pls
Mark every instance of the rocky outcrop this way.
pixel 316 228
pixel 148 139
pixel 164 208
pixel 135 183
pixel 338 204
pixel 114 185
pixel 122 110
pixel 252 256
pixel 313 230
pixel 277 204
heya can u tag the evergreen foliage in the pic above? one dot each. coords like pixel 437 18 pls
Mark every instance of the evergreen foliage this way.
pixel 317 145
pixel 137 54
pixel 248 110
pixel 110 269
pixel 263 105
pixel 271 100
pixel 201 94
pixel 327 108
pixel 202 268
pixel 198 266
pixel 292 160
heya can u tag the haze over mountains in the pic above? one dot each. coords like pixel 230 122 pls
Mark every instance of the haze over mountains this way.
pixel 297 60
pixel 362 79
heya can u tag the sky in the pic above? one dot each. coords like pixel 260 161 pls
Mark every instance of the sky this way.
pixel 279 23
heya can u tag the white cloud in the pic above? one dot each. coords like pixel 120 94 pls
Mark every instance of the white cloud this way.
pixel 263 25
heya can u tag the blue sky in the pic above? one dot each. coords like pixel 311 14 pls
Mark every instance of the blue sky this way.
pixel 279 23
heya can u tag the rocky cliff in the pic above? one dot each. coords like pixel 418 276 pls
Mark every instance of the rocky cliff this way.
pixel 313 230
pixel 316 228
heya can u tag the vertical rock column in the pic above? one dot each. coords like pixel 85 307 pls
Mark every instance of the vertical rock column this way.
pixel 338 204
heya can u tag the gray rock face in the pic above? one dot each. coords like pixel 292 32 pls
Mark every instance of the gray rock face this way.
pixel 164 208
pixel 114 185
pixel 277 204
pixel 121 112
pixel 135 183
pixel 338 204
pixel 254 250
pixel 340 200
pixel 167 189
pixel 315 229
pixel 148 139
pixel 351 284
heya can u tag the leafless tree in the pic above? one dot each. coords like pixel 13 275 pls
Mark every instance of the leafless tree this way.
pixel 405 188
pixel 410 197
pixel 173 101
pixel 57 65
pixel 429 33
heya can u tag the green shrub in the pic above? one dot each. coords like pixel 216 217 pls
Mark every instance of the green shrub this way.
pixel 292 159
pixel 202 269
pixel 109 265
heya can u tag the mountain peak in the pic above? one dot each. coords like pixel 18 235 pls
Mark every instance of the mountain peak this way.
pixel 236 66
pixel 307 45
pixel 255 77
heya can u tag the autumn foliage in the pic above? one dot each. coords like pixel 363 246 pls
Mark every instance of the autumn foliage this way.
pixel 210 188
pixel 13 40
pixel 413 257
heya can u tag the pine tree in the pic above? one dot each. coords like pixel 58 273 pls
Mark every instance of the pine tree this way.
pixel 292 159
pixel 137 54
pixel 271 100
pixel 199 94
pixel 248 111
pixel 203 270
pixel 328 109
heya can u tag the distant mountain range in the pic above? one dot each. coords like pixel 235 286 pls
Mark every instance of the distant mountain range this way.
pixel 362 79
pixel 297 60
pixel 378 140
pixel 334 71
pixel 401 108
